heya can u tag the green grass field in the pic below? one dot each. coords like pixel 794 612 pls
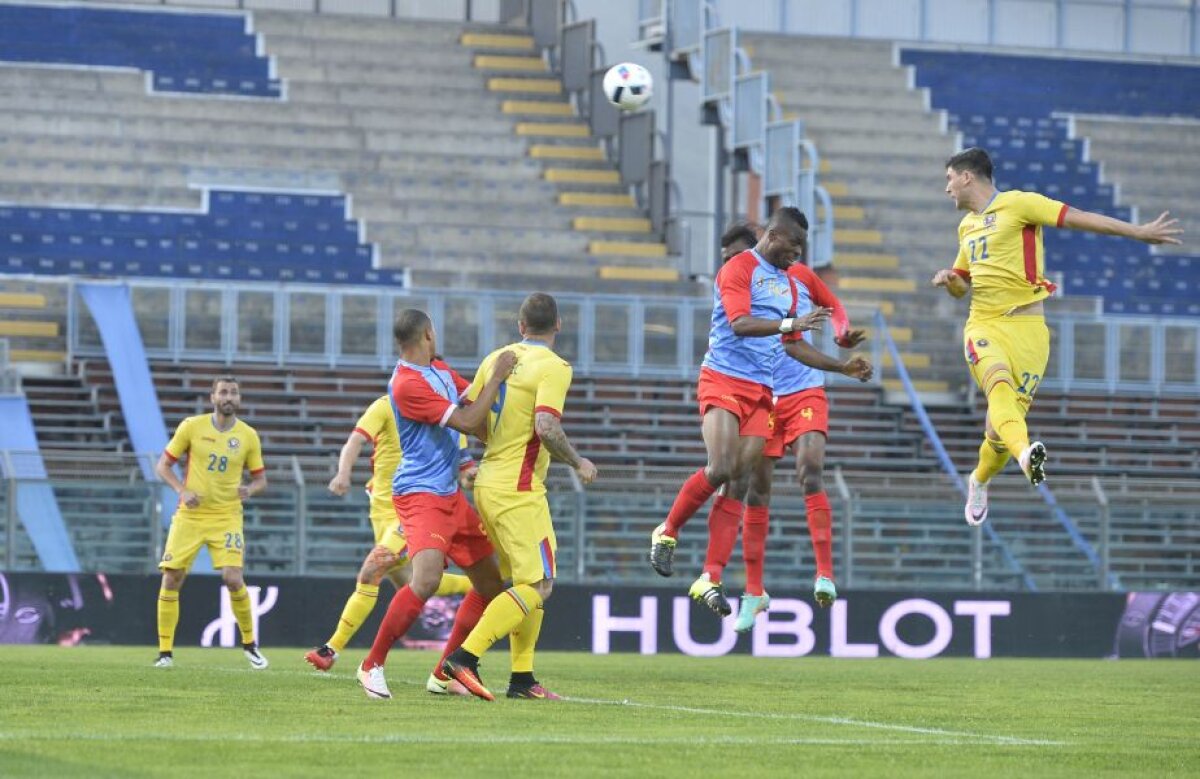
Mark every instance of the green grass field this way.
pixel 101 711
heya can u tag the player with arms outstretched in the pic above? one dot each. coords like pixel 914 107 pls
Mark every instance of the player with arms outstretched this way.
pixel 389 557
pixel 218 446
pixel 1006 342
pixel 524 433
pixel 754 307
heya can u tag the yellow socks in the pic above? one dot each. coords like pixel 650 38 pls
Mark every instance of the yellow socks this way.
pixel 239 600
pixel 502 616
pixel 1008 418
pixel 358 608
pixel 168 618
pixel 524 640
pixel 993 456
pixel 453 584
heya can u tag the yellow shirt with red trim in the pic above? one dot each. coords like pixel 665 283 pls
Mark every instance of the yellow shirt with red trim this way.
pixel 215 463
pixel 514 458
pixel 378 424
pixel 1000 252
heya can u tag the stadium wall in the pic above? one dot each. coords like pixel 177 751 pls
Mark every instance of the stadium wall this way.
pixel 85 609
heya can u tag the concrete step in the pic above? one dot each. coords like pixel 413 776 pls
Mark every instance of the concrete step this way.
pixel 42 79
pixel 905 143
pixel 367 29
pixel 524 85
pixel 100 174
pixel 385 75
pixel 99 195
pixel 346 51
pixel 816 98
pixel 823 120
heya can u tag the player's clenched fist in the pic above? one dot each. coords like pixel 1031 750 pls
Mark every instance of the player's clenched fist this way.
pixel 858 368
pixel 339 485
pixel 586 471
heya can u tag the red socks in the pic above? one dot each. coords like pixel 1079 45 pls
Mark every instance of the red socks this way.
pixel 723 523
pixel 820 520
pixel 695 491
pixel 401 614
pixel 754 547
pixel 469 612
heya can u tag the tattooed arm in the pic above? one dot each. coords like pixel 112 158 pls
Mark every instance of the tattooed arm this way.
pixel 549 430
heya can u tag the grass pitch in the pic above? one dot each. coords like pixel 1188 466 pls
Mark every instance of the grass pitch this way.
pixel 103 711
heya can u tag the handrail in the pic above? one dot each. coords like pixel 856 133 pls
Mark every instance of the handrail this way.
pixel 936 442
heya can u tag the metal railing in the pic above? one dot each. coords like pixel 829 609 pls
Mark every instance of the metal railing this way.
pixel 891 530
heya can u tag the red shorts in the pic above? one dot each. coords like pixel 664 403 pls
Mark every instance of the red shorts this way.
pixel 749 401
pixel 806 411
pixel 443 522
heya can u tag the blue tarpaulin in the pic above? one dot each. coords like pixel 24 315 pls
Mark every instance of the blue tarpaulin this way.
pixel 36 504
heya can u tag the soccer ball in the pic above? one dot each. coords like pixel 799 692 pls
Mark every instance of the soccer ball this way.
pixel 628 86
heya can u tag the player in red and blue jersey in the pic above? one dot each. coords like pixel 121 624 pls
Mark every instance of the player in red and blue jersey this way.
pixel 437 520
pixel 754 302
pixel 801 422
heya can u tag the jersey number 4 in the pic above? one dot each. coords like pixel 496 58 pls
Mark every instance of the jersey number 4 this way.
pixel 980 245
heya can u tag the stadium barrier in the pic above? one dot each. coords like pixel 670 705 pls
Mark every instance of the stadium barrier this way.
pixel 74 609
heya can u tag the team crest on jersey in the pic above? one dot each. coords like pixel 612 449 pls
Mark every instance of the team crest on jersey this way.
pixel 774 286
pixel 981 343
pixel 234 443
pixel 989 220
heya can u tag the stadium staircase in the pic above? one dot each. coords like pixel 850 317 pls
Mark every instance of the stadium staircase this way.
pixel 1023 109
pixel 452 145
pixel 882 156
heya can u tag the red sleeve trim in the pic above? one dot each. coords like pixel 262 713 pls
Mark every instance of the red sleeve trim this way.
pixel 792 337
pixel 255 473
pixel 365 434
pixel 547 410
pixel 1062 215
pixel 465 464
pixel 171 457
pixel 965 274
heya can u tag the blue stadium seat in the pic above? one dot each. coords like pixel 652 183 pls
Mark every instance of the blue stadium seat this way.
pixel 194 52
pixel 244 235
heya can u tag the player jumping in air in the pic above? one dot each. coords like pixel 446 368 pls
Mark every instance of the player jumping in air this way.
pixel 801 423
pixel 219 446
pixel 1006 342
pixel 754 303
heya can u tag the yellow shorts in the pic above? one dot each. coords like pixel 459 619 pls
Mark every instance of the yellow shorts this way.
pixel 388 532
pixel 222 536
pixel 1012 349
pixel 519 525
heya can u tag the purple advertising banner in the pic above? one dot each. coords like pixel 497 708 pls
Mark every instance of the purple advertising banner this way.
pixel 99 609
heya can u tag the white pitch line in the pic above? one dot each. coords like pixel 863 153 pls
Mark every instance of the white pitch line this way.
pixel 490 738
pixel 1015 740
pixel 983 738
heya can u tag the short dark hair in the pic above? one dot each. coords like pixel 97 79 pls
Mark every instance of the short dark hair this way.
pixel 739 231
pixel 224 380
pixel 410 325
pixel 973 159
pixel 539 313
pixel 789 215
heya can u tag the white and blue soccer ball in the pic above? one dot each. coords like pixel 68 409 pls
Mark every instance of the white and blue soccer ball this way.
pixel 628 86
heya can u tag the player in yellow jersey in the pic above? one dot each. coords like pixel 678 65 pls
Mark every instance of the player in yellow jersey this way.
pixel 218 446
pixel 1006 343
pixel 389 557
pixel 524 432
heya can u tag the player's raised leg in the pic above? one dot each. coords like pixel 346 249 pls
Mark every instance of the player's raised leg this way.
pixel 380 561
pixel 721 431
